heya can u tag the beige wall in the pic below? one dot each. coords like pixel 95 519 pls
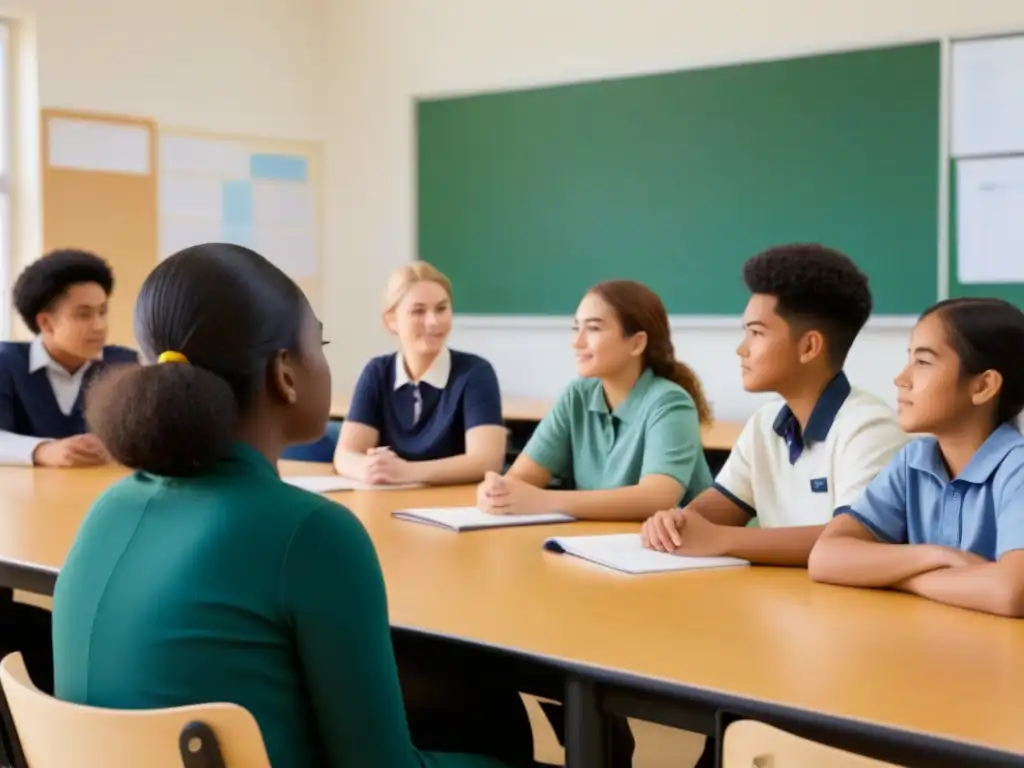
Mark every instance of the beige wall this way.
pixel 383 53
pixel 253 67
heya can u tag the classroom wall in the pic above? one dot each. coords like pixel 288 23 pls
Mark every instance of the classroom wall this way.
pixel 253 67
pixel 383 53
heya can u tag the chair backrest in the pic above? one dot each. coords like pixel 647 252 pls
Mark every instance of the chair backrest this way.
pixel 750 744
pixel 58 734
pixel 321 451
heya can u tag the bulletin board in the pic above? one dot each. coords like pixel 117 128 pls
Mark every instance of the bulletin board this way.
pixel 265 194
pixel 99 193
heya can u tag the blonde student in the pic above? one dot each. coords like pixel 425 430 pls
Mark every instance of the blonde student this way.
pixel 945 519
pixel 427 414
pixel 627 433
pixel 794 463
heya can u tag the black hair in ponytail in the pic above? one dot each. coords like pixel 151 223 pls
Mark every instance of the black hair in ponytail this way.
pixel 228 311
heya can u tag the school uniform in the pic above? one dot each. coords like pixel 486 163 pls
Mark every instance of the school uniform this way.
pixel 40 400
pixel 787 476
pixel 654 431
pixel 235 586
pixel 428 419
pixel 914 500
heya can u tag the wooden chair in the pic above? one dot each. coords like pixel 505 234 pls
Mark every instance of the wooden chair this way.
pixel 57 734
pixel 750 744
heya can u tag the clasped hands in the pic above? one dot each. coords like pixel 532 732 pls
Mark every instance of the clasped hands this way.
pixel 385 467
pixel 503 495
pixel 684 532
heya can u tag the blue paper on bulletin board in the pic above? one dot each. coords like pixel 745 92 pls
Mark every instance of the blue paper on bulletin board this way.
pixel 279 167
pixel 237 235
pixel 236 200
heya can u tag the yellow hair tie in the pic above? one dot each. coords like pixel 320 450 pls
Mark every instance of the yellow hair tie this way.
pixel 171 357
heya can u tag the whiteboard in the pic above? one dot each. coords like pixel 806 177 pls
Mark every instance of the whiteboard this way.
pixel 988 96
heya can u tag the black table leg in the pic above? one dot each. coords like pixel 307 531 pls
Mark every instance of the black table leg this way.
pixel 586 734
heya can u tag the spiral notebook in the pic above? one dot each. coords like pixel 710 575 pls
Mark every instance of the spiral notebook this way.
pixel 625 552
pixel 335 483
pixel 472 519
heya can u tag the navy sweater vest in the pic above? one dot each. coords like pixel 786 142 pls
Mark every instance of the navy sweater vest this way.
pixel 27 403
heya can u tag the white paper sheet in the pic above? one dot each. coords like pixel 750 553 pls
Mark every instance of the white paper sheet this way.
pixel 177 233
pixel 96 145
pixel 215 158
pixel 990 220
pixel 283 205
pixel 471 518
pixel 333 483
pixel 988 96
pixel 294 252
pixel 191 195
pixel 625 552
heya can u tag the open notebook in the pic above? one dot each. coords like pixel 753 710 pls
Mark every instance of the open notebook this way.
pixel 625 552
pixel 471 518
pixel 333 483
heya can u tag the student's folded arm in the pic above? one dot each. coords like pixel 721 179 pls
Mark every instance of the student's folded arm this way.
pixel 863 455
pixel 730 501
pixel 632 503
pixel 998 587
pixel 343 641
pixel 865 544
pixel 350 455
pixel 485 452
pixel 360 431
pixel 529 471
pixel 486 436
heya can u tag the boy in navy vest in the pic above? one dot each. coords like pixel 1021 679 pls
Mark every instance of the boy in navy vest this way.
pixel 62 298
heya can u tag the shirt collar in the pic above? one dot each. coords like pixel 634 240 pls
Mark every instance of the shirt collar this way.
pixel 39 358
pixel 823 415
pixel 928 457
pixel 436 375
pixel 627 407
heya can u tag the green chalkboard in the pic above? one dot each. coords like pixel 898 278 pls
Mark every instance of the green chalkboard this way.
pixel 1012 292
pixel 526 198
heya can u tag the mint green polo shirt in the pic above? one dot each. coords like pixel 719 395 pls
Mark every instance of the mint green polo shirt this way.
pixel 235 586
pixel 654 431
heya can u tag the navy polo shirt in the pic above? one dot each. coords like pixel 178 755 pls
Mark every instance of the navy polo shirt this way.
pixel 28 404
pixel 458 393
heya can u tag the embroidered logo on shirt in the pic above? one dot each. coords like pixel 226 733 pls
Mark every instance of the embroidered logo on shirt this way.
pixel 819 485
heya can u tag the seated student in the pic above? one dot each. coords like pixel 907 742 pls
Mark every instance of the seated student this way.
pixel 62 298
pixel 627 433
pixel 202 576
pixel 945 518
pixel 427 414
pixel 793 465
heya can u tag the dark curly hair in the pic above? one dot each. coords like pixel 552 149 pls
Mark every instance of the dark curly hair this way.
pixel 815 288
pixel 47 279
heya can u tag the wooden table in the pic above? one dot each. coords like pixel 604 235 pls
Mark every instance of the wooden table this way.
pixel 892 671
pixel 718 436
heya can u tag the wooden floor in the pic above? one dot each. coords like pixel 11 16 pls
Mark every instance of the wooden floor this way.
pixel 656 746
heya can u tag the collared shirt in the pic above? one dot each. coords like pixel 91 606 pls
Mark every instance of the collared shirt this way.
pixel 428 420
pixel 436 376
pixel 224 587
pixel 791 477
pixel 914 501
pixel 39 399
pixel 654 431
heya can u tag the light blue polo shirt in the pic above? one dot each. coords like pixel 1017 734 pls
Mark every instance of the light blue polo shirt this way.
pixel 913 501
pixel 654 431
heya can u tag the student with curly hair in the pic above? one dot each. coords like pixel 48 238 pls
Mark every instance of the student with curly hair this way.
pixel 793 465
pixel 62 298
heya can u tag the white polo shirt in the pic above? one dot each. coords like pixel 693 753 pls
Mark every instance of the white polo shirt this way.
pixel 789 478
